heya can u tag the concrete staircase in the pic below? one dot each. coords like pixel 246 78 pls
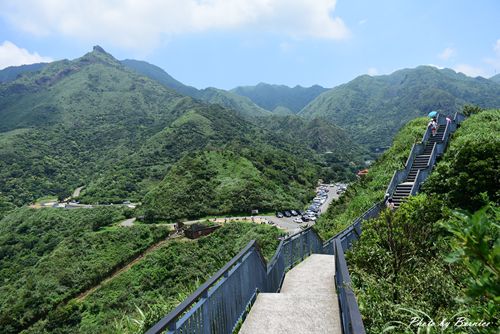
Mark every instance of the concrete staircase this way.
pixel 421 161
pixel 307 302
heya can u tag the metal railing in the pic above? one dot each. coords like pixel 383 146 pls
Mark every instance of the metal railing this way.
pixel 219 303
pixel 349 310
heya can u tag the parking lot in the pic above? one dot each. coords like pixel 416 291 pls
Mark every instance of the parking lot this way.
pixel 288 224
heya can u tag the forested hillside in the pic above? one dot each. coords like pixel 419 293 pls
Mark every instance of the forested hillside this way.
pixel 436 257
pixel 93 122
pixel 372 109
pixel 280 99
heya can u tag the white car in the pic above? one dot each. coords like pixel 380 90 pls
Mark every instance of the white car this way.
pixel 297 220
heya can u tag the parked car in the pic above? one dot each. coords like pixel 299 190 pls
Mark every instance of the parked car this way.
pixel 293 212
pixel 306 218
pixel 313 218
pixel 300 212
pixel 279 214
pixel 287 214
pixel 297 220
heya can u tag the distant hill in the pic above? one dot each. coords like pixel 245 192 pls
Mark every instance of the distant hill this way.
pixel 342 154
pixel 242 105
pixel 372 109
pixel 12 72
pixel 496 78
pixel 276 97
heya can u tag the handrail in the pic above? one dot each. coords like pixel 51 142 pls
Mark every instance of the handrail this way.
pixel 414 187
pixel 195 296
pixel 410 156
pixel 349 310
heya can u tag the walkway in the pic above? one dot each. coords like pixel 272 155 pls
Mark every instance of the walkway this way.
pixel 307 302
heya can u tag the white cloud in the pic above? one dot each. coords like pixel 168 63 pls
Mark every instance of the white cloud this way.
pixel 436 66
pixel 469 70
pixel 496 47
pixel 494 61
pixel 372 71
pixel 447 53
pixel 137 24
pixel 12 55
pixel 363 21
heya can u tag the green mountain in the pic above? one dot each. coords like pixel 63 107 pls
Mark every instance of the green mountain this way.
pixel 371 109
pixel 91 121
pixel 242 105
pixel 11 73
pixel 156 73
pixel 276 97
pixel 496 78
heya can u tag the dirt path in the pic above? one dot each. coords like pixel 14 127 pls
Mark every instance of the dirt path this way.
pixel 126 267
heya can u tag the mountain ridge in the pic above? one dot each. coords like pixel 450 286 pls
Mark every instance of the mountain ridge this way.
pixel 371 107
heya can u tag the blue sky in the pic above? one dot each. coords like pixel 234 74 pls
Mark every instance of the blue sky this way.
pixel 227 43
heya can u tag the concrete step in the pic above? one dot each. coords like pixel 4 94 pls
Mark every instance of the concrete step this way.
pixel 314 275
pixel 275 313
pixel 308 302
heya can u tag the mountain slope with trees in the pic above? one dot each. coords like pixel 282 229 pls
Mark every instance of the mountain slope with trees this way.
pixel 278 98
pixel 373 108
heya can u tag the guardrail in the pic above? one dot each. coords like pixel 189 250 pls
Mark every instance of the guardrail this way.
pixel 219 303
pixel 349 310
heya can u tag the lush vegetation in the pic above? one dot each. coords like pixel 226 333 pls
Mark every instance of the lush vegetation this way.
pixel 431 259
pixel 224 181
pixel 280 99
pixel 133 301
pixel 372 109
pixel 49 255
pixel 94 122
